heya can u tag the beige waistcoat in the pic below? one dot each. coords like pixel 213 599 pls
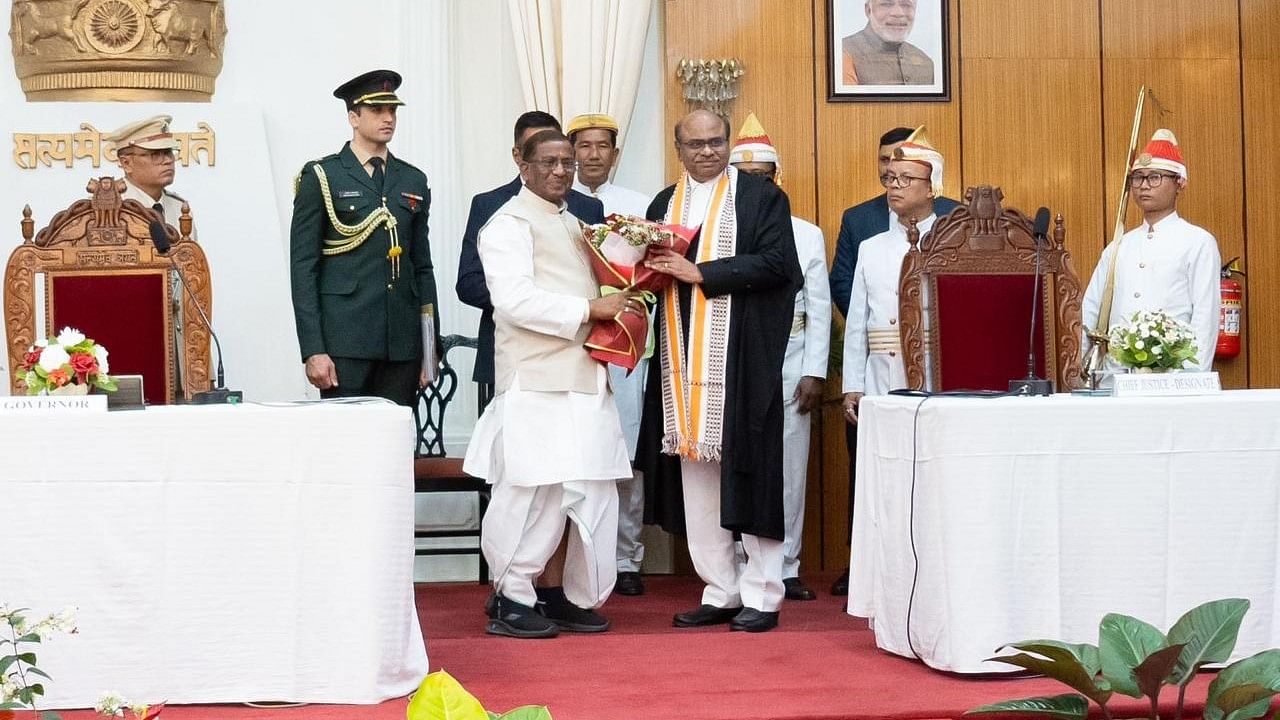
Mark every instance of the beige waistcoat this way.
pixel 545 362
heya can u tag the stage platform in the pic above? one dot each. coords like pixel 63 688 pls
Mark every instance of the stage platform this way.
pixel 820 664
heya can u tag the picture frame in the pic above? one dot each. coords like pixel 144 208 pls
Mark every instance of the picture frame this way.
pixel 888 51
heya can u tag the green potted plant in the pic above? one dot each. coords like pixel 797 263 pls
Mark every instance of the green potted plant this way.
pixel 1133 658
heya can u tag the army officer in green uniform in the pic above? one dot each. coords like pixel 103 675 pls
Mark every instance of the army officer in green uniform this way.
pixel 364 294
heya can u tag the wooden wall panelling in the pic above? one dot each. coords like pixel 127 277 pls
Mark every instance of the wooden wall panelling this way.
pixel 1188 52
pixel 1031 112
pixel 1260 60
pixel 774 40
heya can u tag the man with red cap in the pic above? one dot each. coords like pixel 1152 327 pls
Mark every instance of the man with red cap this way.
pixel 1166 263
pixel 804 368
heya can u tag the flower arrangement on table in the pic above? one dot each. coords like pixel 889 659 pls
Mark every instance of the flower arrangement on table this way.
pixel 618 248
pixel 68 364
pixel 1152 339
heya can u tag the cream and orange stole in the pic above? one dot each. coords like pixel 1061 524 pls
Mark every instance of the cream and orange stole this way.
pixel 693 375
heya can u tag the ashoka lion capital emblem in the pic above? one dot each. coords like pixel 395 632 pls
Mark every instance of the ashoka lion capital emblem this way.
pixel 116 50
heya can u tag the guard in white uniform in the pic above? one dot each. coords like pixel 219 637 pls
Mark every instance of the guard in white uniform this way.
pixel 872 346
pixel 550 442
pixel 1164 264
pixel 595 145
pixel 804 369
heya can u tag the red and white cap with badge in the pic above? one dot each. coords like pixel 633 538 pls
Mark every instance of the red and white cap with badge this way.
pixel 753 145
pixel 1162 153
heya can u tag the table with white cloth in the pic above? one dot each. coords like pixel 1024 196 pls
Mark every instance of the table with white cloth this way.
pixel 216 553
pixel 985 521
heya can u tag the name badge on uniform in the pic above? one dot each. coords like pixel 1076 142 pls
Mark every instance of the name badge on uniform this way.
pixel 413 200
pixel 344 194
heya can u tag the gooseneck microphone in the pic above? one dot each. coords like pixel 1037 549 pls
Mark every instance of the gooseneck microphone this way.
pixel 1033 384
pixel 219 393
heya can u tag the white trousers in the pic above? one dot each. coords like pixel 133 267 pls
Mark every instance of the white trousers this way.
pixel 523 527
pixel 757 584
pixel 796 429
pixel 628 395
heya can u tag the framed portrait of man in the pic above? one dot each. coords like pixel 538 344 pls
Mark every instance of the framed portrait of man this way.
pixel 887 50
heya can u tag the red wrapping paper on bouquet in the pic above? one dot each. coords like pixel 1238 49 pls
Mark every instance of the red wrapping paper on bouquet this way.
pixel 622 340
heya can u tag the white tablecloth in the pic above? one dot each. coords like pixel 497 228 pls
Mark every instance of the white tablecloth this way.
pixel 1034 517
pixel 217 554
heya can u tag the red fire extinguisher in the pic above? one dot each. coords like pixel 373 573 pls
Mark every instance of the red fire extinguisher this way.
pixel 1229 317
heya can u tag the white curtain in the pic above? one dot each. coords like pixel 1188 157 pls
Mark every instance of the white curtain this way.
pixel 580 56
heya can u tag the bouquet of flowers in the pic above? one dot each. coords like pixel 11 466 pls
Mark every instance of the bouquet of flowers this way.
pixel 618 248
pixel 69 364
pixel 1152 339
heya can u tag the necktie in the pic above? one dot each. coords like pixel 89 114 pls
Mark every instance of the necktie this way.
pixel 159 208
pixel 378 176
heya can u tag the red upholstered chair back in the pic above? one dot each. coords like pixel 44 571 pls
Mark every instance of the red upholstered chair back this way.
pixel 966 305
pixel 103 276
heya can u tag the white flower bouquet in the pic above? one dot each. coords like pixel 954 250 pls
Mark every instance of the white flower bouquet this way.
pixel 1152 339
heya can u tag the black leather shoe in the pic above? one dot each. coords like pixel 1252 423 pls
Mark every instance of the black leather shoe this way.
pixel 520 621
pixel 629 583
pixel 705 615
pixel 841 585
pixel 753 620
pixel 491 606
pixel 797 590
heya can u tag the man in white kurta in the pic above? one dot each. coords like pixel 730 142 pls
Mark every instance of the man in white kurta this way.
pixel 804 368
pixel 1166 263
pixel 550 442
pixel 872 347
pixel 595 146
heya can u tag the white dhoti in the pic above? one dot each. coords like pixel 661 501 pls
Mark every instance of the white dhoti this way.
pixel 756 584
pixel 551 457
pixel 523 527
pixel 628 395
pixel 796 430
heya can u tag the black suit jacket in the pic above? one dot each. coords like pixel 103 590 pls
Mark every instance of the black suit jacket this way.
pixel 471 287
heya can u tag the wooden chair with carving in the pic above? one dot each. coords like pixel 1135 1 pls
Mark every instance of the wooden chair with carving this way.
pixel 102 274
pixel 965 301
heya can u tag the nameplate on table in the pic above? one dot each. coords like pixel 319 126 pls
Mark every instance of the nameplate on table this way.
pixel 53 403
pixel 1168 383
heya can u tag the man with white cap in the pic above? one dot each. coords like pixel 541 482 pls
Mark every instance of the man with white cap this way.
pixel 1164 264
pixel 804 368
pixel 595 147
pixel 146 151
pixel 872 349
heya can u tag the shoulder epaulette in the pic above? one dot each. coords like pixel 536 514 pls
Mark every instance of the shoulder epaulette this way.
pixel 297 179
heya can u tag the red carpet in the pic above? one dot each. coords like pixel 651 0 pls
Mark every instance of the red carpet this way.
pixel 820 664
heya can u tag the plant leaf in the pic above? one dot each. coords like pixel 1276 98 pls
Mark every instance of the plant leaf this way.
pixel 493 715
pixel 49 715
pixel 1123 643
pixel 1152 673
pixel 527 712
pixel 1059 707
pixel 1062 666
pixel 1084 653
pixel 6 662
pixel 1209 632
pixel 1245 702
pixel 440 697
pixel 1262 669
pixel 38 671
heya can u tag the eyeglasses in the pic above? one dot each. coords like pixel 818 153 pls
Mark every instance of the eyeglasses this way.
pixel 693 146
pixel 152 155
pixel 548 165
pixel 899 181
pixel 1153 180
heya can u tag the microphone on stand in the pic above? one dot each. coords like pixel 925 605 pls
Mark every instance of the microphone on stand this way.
pixel 219 394
pixel 1033 384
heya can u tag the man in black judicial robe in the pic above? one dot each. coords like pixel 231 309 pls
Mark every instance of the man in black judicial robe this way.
pixel 761 278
